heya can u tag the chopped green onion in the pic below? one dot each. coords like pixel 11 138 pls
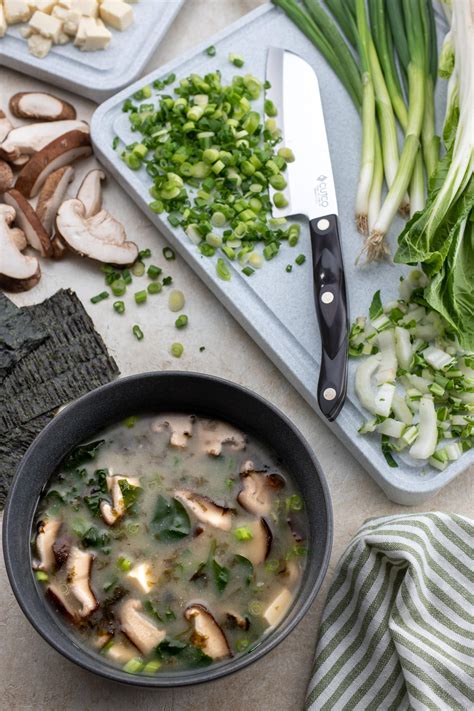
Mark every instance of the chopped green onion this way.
pixel 169 254
pixel 300 259
pixel 211 51
pixel 270 108
pixel 154 288
pixel 153 271
pixel 181 321
pixel 124 564
pixel 222 270
pixel 133 666
pixel 177 350
pixel 176 300
pixel 288 268
pixel 140 296
pixel 119 307
pixel 279 200
pixel 236 60
pixel 100 297
pixel 118 287
pixel 138 269
pixel 248 271
pixel 137 332
pixel 243 533
pixel 144 254
pixel 167 280
pixel 41 576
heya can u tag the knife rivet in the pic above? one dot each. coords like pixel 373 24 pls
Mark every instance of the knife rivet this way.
pixel 327 297
pixel 329 394
pixel 323 224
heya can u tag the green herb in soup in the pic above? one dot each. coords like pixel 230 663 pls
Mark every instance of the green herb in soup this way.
pixel 170 542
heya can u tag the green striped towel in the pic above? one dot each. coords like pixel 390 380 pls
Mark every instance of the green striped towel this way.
pixel 398 627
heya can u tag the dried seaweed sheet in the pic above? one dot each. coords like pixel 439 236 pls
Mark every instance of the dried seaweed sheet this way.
pixel 70 361
pixel 19 334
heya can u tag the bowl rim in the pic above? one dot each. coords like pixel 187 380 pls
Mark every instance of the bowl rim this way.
pixel 177 679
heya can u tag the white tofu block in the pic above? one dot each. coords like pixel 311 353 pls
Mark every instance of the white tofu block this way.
pixel 87 8
pixel 118 15
pixel 43 5
pixel 39 46
pixel 46 25
pixel 60 12
pixel 16 11
pixel 71 23
pixel 65 3
pixel 92 35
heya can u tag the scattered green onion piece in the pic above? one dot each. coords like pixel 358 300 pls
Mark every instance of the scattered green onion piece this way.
pixel 176 300
pixel 41 576
pixel 154 288
pixel 181 321
pixel 222 270
pixel 153 272
pixel 169 254
pixel 294 503
pixel 144 254
pixel 124 564
pixel 131 421
pixel 270 108
pixel 272 565
pixel 119 307
pixel 177 350
pixel 140 296
pixel 100 297
pixel 243 533
pixel 167 280
pixel 137 332
pixel 287 154
pixel 236 60
pixel 288 268
pixel 118 287
pixel 152 667
pixel 300 259
pixel 211 51
pixel 241 645
pixel 248 271
pixel 255 608
pixel 133 666
pixel 138 269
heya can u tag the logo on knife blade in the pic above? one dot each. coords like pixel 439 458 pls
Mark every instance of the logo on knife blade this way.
pixel 321 191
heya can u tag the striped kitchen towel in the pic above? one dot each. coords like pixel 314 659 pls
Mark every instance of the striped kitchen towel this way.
pixel 398 627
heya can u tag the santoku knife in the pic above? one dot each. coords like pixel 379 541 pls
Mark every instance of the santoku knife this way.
pixel 294 91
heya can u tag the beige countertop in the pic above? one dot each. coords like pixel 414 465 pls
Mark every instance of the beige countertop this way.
pixel 33 676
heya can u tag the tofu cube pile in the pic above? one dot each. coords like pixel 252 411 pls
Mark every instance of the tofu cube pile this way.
pixel 50 22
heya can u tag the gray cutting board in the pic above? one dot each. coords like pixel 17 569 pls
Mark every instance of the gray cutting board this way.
pixel 96 75
pixel 274 307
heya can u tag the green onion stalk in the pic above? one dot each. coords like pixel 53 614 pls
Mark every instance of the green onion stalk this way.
pixel 430 140
pixel 369 125
pixel 417 69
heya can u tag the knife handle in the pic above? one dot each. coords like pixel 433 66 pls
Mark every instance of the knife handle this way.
pixel 331 308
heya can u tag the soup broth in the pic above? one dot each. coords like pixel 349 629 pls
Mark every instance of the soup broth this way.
pixel 170 542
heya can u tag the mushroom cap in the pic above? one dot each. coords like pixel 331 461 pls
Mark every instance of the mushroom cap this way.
pixel 18 272
pixel 205 510
pixel 41 105
pixel 99 237
pixel 90 192
pixel 256 496
pixel 213 434
pixel 29 222
pixel 6 177
pixel 139 629
pixel 208 635
pixel 31 138
pixel 79 567
pixel 5 126
pixel 258 549
pixel 59 152
pixel 47 535
pixel 52 195
pixel 180 427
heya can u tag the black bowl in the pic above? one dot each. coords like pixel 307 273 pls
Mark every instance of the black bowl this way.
pixel 158 392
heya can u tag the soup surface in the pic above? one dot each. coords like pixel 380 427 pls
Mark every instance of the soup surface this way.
pixel 170 542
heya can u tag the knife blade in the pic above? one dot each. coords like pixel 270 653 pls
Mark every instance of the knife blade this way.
pixel 294 90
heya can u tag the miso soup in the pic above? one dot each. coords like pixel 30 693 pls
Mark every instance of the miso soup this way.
pixel 170 542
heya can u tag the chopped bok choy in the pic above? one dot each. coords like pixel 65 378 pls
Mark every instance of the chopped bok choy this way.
pixel 417 382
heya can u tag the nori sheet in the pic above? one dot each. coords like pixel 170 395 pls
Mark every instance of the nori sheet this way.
pixel 19 334
pixel 71 360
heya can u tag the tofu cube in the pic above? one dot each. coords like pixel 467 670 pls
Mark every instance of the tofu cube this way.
pixel 87 8
pixel 118 15
pixel 46 6
pixel 92 35
pixel 46 25
pixel 39 46
pixel 16 11
pixel 71 23
pixel 66 4
pixel 3 22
